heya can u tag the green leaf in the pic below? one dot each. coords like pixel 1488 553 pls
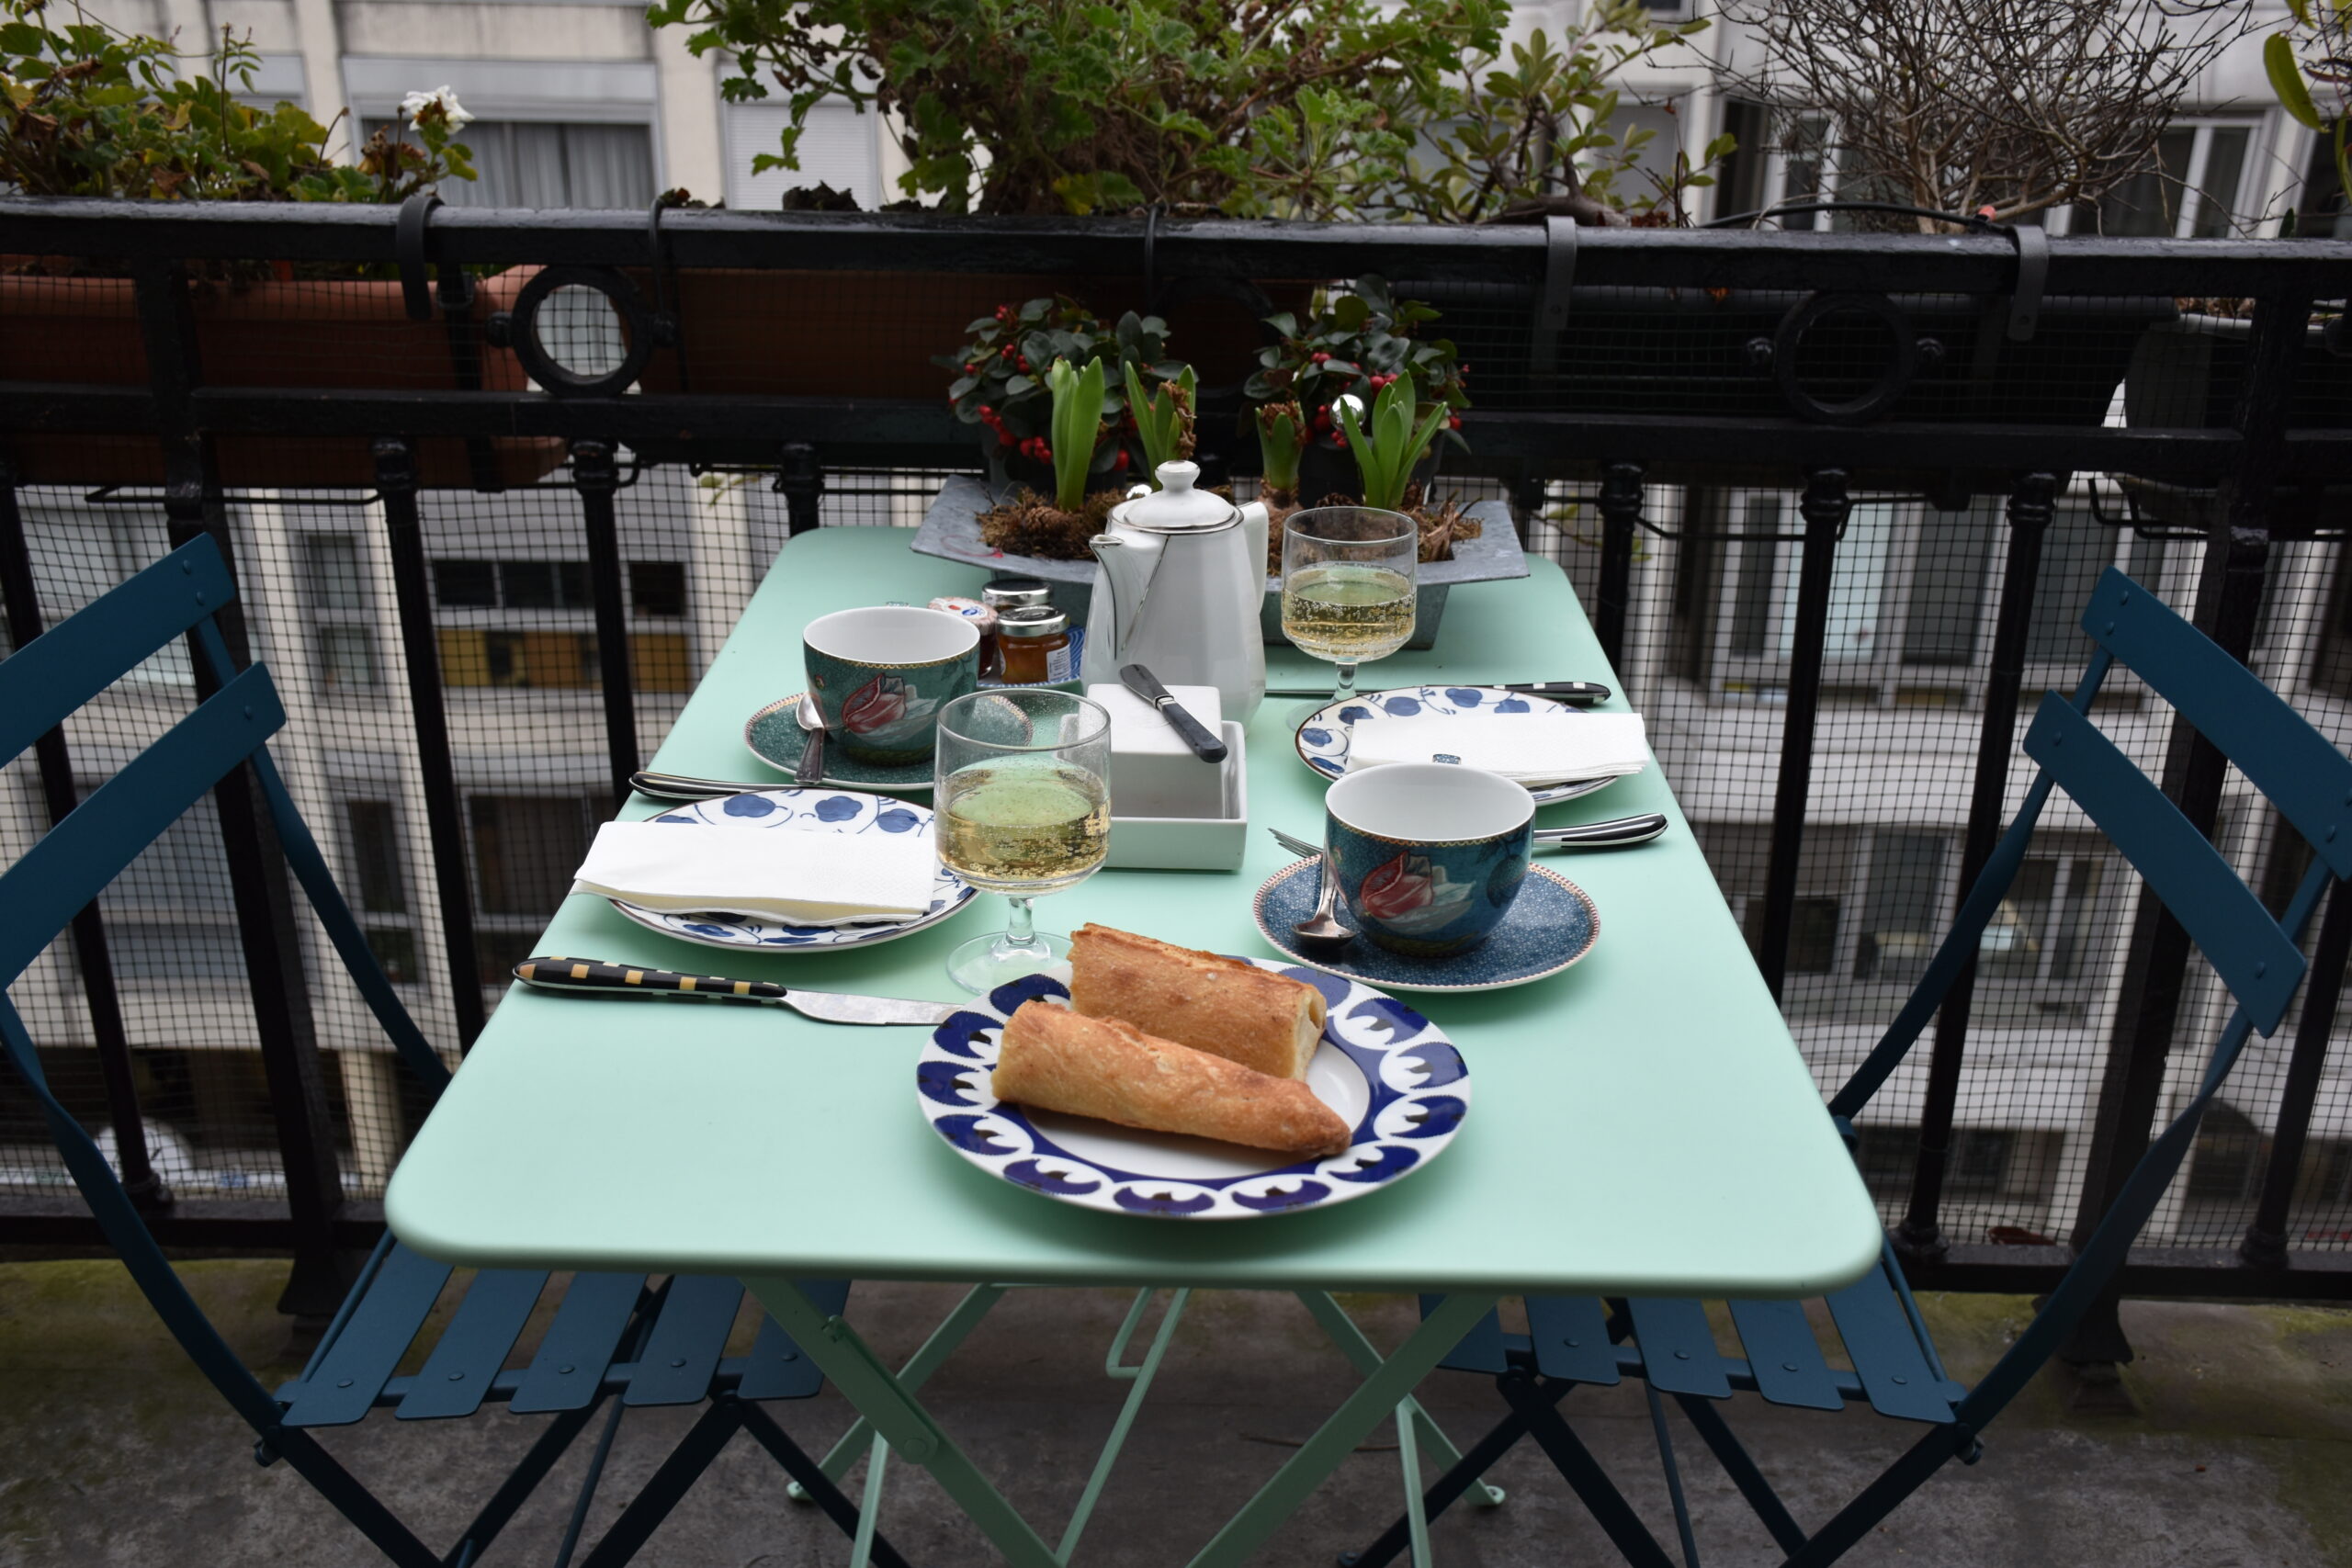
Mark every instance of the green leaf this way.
pixel 2287 80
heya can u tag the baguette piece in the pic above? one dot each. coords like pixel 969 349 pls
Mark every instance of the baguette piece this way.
pixel 1223 1005
pixel 1107 1068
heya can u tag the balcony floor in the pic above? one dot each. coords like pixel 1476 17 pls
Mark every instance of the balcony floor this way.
pixel 2241 1455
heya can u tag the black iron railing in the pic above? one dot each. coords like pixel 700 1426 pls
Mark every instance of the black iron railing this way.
pixel 1649 380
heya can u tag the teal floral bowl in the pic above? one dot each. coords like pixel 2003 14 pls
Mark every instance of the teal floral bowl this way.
pixel 1428 855
pixel 881 675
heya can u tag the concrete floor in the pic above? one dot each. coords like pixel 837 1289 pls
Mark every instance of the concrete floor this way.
pixel 113 1451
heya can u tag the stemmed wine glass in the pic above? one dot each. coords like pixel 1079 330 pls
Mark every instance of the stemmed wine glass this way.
pixel 1022 798
pixel 1348 587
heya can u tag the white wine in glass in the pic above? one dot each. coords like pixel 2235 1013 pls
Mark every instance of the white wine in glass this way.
pixel 1347 590
pixel 1023 809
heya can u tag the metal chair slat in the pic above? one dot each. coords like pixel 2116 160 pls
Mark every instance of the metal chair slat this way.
pixel 1571 1335
pixel 2291 763
pixel 776 1368
pixel 682 1356
pixel 368 1351
pixel 457 1375
pixel 1784 1356
pixel 1679 1347
pixel 579 1345
pixel 2223 915
pixel 1896 1376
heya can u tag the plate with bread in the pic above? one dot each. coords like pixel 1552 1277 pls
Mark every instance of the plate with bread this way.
pixel 1147 1079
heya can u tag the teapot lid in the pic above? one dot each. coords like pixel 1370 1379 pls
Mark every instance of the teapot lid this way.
pixel 1176 507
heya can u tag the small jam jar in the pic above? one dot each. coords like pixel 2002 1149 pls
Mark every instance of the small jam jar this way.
pixel 1032 646
pixel 983 621
pixel 1016 594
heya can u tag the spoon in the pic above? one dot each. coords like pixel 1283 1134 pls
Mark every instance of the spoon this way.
pixel 1322 928
pixel 812 755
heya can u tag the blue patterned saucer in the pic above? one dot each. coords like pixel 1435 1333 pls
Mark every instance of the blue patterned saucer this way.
pixel 774 734
pixel 1384 1068
pixel 814 810
pixel 1323 735
pixel 1549 926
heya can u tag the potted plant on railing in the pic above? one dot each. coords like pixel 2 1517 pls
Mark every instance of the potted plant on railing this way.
pixel 88 110
pixel 1359 342
pixel 999 388
pixel 1082 453
pixel 1231 108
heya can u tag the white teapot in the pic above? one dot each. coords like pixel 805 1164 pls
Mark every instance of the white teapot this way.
pixel 1179 583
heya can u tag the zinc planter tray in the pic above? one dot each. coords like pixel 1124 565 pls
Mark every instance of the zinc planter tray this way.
pixel 950 530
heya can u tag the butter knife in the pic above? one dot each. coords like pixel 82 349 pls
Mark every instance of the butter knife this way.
pixel 588 977
pixel 1146 684
pixel 1575 694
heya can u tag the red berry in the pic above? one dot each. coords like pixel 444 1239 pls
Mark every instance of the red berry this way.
pixel 1045 453
pixel 1454 421
pixel 987 412
pixel 1003 436
pixel 1340 440
pixel 1319 356
pixel 1121 460
pixel 1024 364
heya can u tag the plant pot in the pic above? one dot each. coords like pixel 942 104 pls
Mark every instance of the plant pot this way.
pixel 2186 375
pixel 340 334
pixel 873 334
pixel 1658 351
pixel 951 531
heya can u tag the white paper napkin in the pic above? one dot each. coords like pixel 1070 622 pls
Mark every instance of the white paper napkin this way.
pixel 1534 750
pixel 803 879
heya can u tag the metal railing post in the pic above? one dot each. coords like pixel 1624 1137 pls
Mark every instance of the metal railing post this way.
pixel 421 650
pixel 800 479
pixel 54 764
pixel 1825 507
pixel 275 976
pixel 1920 1235
pixel 596 477
pixel 2229 604
pixel 1621 513
pixel 2264 1246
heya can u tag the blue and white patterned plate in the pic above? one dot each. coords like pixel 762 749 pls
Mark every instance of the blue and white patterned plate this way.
pixel 1549 926
pixel 1389 1071
pixel 816 810
pixel 1322 739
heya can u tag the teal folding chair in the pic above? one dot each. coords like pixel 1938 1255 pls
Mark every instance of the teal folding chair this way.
pixel 1668 1345
pixel 625 1340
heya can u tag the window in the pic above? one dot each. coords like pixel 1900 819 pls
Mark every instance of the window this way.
pixel 838 148
pixel 1977 1165
pixel 171 915
pixel 525 850
pixel 346 653
pixel 554 647
pixel 1899 911
pixel 380 883
pixel 79 554
pixel 2198 187
pixel 1911 607
pixel 551 163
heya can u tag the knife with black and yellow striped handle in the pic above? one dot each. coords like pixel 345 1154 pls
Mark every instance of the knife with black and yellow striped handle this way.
pixel 588 977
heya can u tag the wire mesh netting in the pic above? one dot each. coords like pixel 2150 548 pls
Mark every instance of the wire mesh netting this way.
pixel 1710 647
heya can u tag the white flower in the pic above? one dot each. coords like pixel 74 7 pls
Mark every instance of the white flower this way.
pixel 442 98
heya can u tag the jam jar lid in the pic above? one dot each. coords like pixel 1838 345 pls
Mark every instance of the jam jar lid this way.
pixel 1031 620
pixel 1007 592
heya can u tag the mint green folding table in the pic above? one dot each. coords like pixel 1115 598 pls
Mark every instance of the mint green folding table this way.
pixel 1651 1091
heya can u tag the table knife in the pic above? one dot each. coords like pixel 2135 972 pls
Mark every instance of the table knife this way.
pixel 589 977
pixel 1146 684
pixel 1575 694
